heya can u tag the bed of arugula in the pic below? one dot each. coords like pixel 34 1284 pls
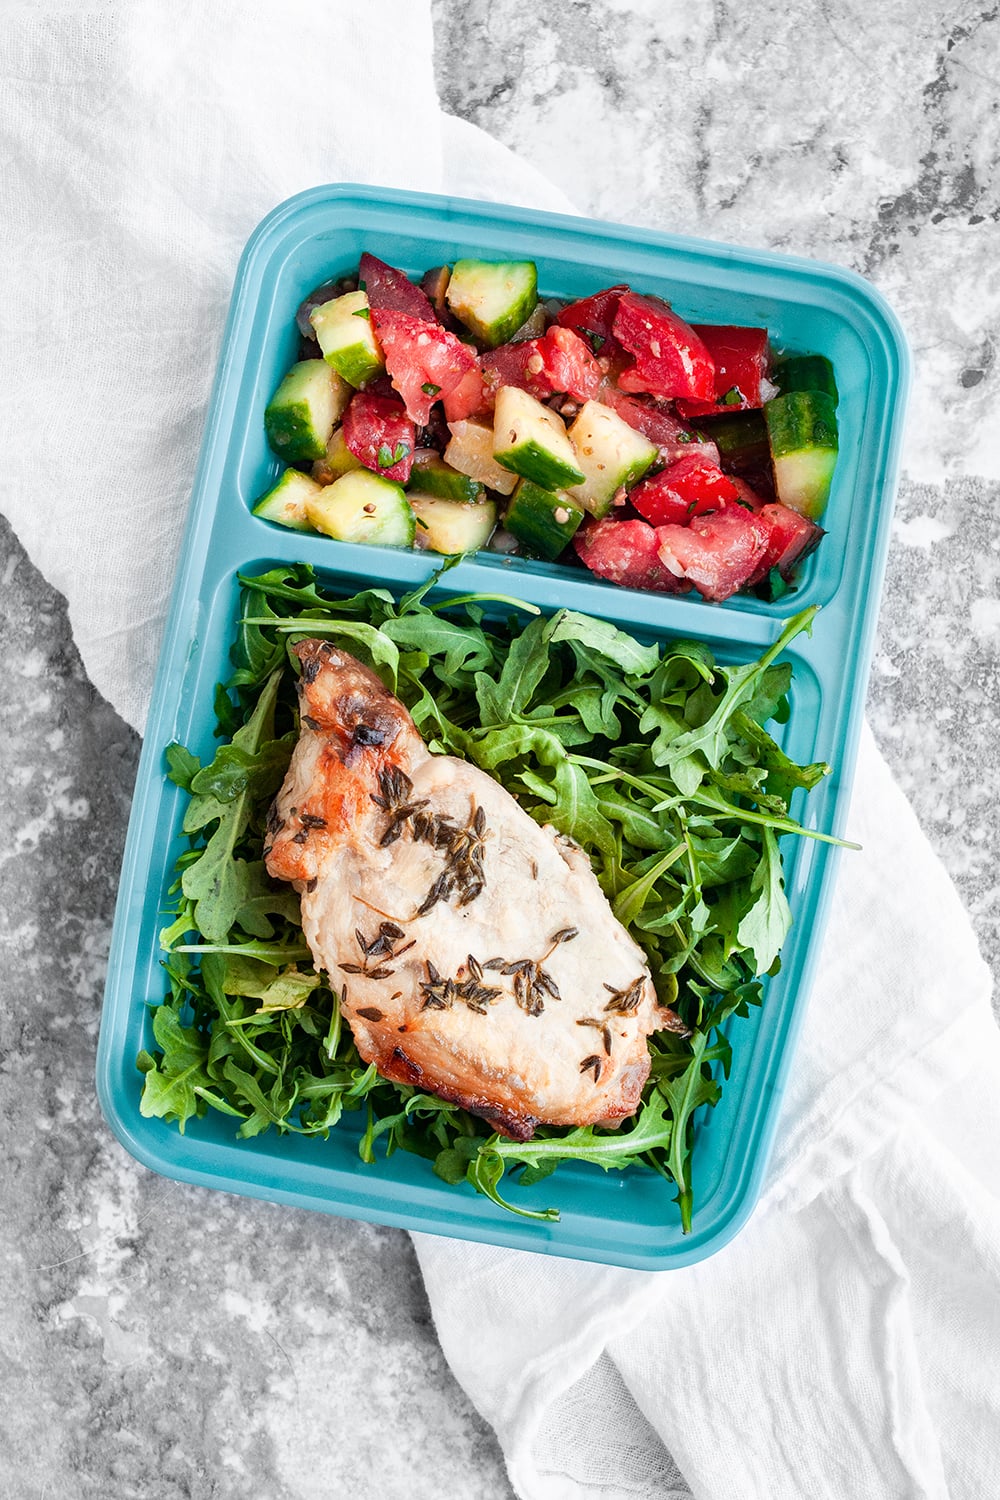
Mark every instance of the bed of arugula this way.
pixel 655 758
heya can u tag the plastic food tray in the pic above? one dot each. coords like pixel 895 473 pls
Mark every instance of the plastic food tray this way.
pixel 625 1218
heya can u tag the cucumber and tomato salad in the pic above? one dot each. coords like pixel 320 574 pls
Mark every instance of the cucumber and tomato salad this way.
pixel 464 413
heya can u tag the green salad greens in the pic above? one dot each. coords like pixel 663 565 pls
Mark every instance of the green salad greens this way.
pixel 654 758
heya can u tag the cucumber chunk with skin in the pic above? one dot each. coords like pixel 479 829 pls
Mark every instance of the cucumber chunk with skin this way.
pixel 300 416
pixel 529 439
pixel 344 332
pixel 802 429
pixel 543 520
pixel 493 299
pixel 432 476
pixel 610 453
pixel 451 526
pixel 470 451
pixel 337 460
pixel 287 502
pixel 805 372
pixel 741 440
pixel 363 507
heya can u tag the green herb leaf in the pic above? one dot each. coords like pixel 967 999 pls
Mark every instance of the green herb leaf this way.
pixel 170 1089
pixel 182 766
pixel 765 926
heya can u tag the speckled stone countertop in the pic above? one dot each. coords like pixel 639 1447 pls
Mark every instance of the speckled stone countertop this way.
pixel 159 1341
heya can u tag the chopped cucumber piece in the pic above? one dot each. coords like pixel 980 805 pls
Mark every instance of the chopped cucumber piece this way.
pixel 544 520
pixel 337 460
pixel 432 476
pixel 805 372
pixel 610 453
pixel 802 428
pixel 493 300
pixel 344 331
pixel 470 451
pixel 741 440
pixel 300 415
pixel 287 502
pixel 531 440
pixel 363 507
pixel 452 525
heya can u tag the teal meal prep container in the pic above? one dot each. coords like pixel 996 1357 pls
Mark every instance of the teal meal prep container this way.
pixel 626 1218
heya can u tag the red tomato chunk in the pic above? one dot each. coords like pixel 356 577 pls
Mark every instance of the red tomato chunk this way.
pixel 568 365
pixel 670 358
pixel 740 356
pixel 593 317
pixel 424 360
pixel 790 539
pixel 626 553
pixel 718 553
pixel 380 435
pixel 520 365
pixel 689 487
pixel 389 290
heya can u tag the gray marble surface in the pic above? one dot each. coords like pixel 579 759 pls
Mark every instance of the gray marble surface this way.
pixel 161 1342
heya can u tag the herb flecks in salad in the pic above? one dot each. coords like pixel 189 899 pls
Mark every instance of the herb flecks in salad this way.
pixel 655 759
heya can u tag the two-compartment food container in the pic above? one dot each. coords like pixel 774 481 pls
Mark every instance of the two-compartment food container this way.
pixel 620 1218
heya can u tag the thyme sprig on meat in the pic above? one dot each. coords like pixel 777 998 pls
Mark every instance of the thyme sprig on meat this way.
pixel 378 948
pixel 463 847
pixel 441 993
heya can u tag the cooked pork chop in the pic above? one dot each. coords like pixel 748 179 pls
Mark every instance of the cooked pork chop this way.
pixel 474 951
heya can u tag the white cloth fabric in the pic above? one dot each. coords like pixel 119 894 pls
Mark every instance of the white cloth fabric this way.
pixel 847 1344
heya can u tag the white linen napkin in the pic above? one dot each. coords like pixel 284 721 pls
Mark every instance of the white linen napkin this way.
pixel 846 1344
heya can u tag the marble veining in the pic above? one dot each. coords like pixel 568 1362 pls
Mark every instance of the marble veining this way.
pixel 162 1342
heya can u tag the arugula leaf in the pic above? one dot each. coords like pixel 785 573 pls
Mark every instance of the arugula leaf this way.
pixel 219 882
pixel 182 766
pixel 764 927
pixel 235 770
pixel 525 666
pixel 171 1090
pixel 684 1094
pixel 606 640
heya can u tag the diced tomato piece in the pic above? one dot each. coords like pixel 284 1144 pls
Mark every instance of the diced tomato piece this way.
pixel 558 361
pixel 568 365
pixel 626 553
pixel 689 487
pixel 519 364
pixel 424 360
pixel 593 317
pixel 670 358
pixel 746 495
pixel 389 290
pixel 469 397
pixel 672 437
pixel 380 435
pixel 741 359
pixel 717 553
pixel 790 538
